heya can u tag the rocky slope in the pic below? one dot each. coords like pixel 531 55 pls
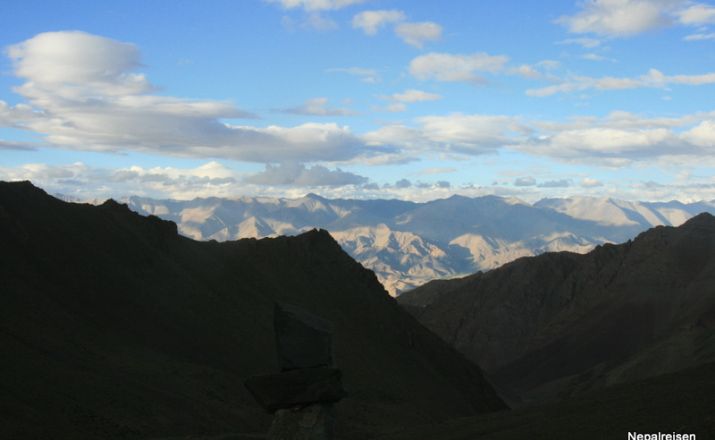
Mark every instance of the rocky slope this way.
pixel 113 325
pixel 562 323
pixel 408 244
pixel 678 403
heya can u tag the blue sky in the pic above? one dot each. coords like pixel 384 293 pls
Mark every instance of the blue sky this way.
pixel 350 98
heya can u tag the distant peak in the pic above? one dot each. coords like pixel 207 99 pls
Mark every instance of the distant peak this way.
pixel 314 196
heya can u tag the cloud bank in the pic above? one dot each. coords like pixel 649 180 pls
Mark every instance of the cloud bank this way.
pixel 83 92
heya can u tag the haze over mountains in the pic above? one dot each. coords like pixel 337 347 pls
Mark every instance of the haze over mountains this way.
pixel 408 244
pixel 560 324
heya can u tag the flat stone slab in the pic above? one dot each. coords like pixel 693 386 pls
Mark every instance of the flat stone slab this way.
pixel 303 340
pixel 297 388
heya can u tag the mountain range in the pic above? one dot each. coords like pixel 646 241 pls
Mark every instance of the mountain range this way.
pixel 113 325
pixel 408 244
pixel 560 324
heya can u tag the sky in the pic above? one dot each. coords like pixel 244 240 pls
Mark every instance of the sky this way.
pixel 413 100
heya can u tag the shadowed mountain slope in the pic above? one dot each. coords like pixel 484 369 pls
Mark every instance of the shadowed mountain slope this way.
pixel 562 323
pixel 679 402
pixel 114 326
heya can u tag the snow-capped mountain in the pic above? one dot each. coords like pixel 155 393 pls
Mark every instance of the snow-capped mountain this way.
pixel 408 244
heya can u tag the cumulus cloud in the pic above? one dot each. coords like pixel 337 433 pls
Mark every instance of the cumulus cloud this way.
pixel 399 101
pixel 417 34
pixel 458 133
pixel 456 68
pixel 297 174
pixel 617 139
pixel 622 18
pixel 365 75
pixel 697 14
pixel 702 135
pixel 588 182
pixel 619 17
pixel 413 95
pixel 316 5
pixel 371 21
pixel 653 79
pixel 85 94
pixel 317 107
pixel 622 138
pixel 87 183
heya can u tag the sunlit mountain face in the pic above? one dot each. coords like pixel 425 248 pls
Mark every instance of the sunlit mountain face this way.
pixel 408 244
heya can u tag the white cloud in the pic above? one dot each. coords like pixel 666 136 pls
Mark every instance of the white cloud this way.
pixel 621 139
pixel 653 79
pixel 84 94
pixel 588 43
pixel 413 95
pixel 317 107
pixel 595 57
pixel 700 37
pixel 456 68
pixel 371 21
pixel 526 71
pixel 456 133
pixel 417 34
pixel 370 76
pixel 399 101
pixel 697 14
pixel 88 183
pixel 588 182
pixel 702 135
pixel 620 17
pixel 297 174
pixel 616 140
pixel 316 5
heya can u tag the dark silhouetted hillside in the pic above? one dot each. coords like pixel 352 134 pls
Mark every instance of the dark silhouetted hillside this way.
pixel 561 323
pixel 114 326
pixel 679 402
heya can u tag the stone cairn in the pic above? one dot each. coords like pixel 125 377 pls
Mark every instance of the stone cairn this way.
pixel 303 394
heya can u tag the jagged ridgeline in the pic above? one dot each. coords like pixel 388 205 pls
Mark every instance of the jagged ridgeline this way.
pixel 113 325
pixel 408 244
pixel 561 324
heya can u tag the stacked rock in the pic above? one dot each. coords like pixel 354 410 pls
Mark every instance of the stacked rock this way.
pixel 303 394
